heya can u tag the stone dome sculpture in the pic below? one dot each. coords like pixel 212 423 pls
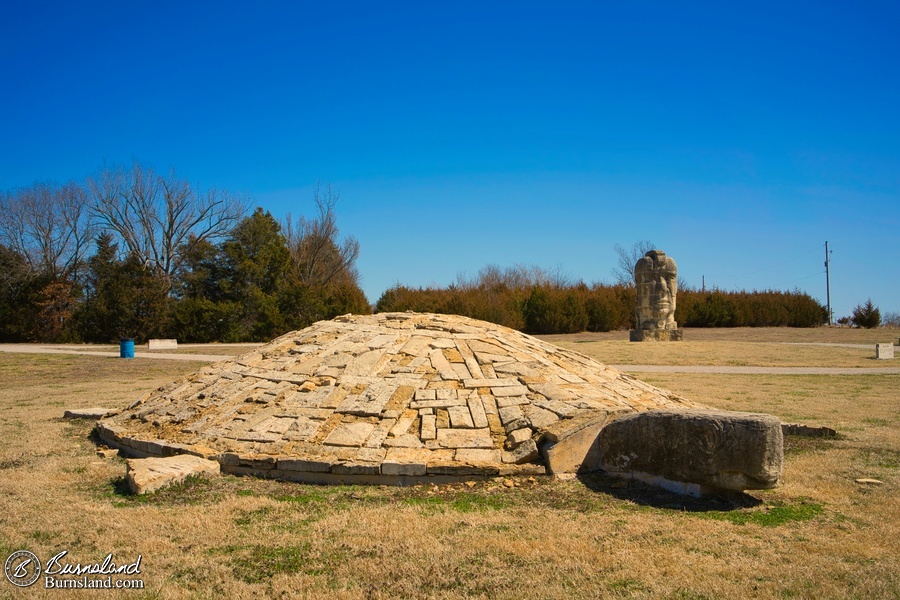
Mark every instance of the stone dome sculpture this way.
pixel 407 398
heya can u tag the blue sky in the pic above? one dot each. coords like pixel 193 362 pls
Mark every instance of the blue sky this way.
pixel 737 138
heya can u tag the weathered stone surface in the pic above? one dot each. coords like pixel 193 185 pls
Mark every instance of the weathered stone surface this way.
pixel 150 474
pixel 884 351
pixel 338 401
pixel 525 452
pixel 476 409
pixel 656 335
pixel 350 434
pixel 88 413
pixel 429 427
pixel 408 469
pixel 405 461
pixel 357 468
pixel 407 440
pixel 464 438
pixel 107 452
pixel 311 465
pixel 574 449
pixel 473 456
pixel 730 451
pixel 656 284
pixel 460 417
pixel 517 437
pixel 538 417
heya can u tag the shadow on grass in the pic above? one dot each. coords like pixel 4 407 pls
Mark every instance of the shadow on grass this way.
pixel 643 494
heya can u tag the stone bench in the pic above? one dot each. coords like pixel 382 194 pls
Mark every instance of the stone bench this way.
pixel 162 344
pixel 884 351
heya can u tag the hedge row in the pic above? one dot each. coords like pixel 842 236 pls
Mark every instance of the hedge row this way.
pixel 545 308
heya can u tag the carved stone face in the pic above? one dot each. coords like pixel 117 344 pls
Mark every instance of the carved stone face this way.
pixel 656 280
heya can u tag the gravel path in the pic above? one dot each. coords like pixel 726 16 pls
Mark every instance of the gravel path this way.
pixel 77 350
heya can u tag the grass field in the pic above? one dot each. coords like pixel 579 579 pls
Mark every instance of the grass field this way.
pixel 818 535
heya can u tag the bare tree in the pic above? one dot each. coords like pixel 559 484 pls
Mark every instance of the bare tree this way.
pixel 49 225
pixel 318 255
pixel 623 272
pixel 159 218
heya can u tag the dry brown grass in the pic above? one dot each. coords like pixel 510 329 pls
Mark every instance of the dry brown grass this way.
pixel 818 535
pixel 742 346
pixel 828 335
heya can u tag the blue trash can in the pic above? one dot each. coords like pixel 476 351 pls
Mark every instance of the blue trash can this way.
pixel 126 348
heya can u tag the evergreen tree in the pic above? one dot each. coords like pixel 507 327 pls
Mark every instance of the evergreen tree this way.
pixel 867 316
pixel 255 262
pixel 17 288
pixel 123 298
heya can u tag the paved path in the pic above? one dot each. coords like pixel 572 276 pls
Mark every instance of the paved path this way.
pixel 77 350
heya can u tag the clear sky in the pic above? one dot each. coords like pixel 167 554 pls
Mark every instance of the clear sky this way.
pixel 739 139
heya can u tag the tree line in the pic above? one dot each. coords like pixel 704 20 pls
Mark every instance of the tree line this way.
pixel 538 302
pixel 134 253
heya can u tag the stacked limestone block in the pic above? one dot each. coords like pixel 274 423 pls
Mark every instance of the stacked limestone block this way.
pixel 394 396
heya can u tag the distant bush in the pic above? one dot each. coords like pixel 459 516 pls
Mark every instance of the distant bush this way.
pixel 530 300
pixel 867 315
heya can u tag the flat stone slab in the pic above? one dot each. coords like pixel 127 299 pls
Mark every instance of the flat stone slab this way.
pixel 711 449
pixel 146 475
pixel 393 398
pixel 168 344
pixel 95 413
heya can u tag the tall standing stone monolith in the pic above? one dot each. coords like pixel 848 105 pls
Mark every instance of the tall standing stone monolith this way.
pixel 656 283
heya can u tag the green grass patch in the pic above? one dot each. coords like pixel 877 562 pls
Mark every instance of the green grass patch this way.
pixel 253 517
pixel 255 564
pixel 883 458
pixel 194 490
pixel 313 496
pixel 796 444
pixel 772 515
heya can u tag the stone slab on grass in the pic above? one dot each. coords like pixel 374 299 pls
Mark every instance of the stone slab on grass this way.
pixel 95 413
pixel 712 449
pixel 146 475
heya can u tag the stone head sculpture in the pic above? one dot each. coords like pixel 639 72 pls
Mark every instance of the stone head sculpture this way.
pixel 656 281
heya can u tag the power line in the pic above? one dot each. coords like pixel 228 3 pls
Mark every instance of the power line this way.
pixel 775 266
pixel 735 279
pixel 805 277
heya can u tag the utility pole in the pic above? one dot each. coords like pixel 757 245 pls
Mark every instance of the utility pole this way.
pixel 828 283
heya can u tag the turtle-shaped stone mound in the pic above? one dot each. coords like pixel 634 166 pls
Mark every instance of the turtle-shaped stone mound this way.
pixel 392 398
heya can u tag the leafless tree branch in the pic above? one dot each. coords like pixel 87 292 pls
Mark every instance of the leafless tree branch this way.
pixel 49 225
pixel 160 218
pixel 319 257
pixel 623 272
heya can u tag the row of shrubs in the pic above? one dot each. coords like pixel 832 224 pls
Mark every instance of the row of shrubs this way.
pixel 545 308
